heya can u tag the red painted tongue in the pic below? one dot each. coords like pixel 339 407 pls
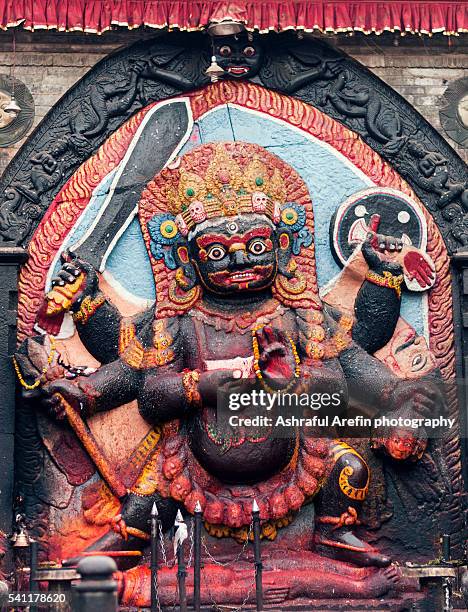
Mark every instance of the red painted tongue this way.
pixel 374 223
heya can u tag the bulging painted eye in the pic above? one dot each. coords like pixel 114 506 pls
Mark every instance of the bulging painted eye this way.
pixel 257 247
pixel 217 252
pixel 225 51
pixel 249 51
pixel 418 363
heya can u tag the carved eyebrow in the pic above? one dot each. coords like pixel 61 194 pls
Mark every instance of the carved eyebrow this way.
pixel 259 232
pixel 405 344
pixel 207 239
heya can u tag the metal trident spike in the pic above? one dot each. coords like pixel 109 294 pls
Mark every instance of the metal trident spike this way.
pixel 198 507
pixel 179 518
pixel 255 507
pixel 154 510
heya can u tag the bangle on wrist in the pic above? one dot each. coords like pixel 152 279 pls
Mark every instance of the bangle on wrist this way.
pixel 190 380
pixel 87 308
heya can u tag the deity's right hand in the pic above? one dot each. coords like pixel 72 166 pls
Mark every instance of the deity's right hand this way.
pixel 76 279
pixel 213 380
pixel 423 397
pixel 70 391
pixel 384 244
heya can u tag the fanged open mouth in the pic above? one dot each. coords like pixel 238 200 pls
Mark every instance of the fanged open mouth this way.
pixel 238 70
pixel 247 276
pixel 242 277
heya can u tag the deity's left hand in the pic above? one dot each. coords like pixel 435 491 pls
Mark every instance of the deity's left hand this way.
pixel 276 356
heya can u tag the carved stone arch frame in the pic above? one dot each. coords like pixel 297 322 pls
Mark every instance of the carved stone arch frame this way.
pixel 126 81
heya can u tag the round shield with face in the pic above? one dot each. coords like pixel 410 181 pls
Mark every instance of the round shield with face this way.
pixel 382 210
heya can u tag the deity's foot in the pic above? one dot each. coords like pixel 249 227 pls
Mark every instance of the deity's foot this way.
pixel 383 581
pixel 344 545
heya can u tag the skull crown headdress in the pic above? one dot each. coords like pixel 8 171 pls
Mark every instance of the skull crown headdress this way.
pixel 217 181
pixel 222 184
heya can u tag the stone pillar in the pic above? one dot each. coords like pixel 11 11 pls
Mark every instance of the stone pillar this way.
pixel 97 589
pixel 460 260
pixel 11 258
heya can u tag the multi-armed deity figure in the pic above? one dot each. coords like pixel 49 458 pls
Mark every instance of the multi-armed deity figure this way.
pixel 229 231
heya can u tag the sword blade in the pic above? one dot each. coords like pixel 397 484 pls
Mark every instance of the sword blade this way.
pixel 160 137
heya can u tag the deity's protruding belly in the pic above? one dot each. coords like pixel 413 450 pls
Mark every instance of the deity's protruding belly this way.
pixel 246 457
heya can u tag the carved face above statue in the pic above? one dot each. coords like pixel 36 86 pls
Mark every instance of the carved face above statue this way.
pixel 240 57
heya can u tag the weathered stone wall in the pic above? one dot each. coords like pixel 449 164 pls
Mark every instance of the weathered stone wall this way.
pixel 419 68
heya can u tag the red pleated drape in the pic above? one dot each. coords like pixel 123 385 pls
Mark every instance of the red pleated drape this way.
pixel 367 16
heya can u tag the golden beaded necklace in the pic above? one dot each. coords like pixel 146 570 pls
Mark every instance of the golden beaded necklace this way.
pixel 38 381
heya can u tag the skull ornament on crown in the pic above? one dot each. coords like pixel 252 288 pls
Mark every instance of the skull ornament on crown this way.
pixel 197 211
pixel 259 201
pixel 231 179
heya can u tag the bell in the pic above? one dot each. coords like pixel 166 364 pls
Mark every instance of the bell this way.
pixel 227 27
pixel 12 108
pixel 21 539
pixel 214 71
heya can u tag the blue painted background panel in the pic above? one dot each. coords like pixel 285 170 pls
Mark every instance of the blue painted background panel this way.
pixel 330 178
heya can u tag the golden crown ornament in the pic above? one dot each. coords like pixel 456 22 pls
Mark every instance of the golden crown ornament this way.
pixel 227 189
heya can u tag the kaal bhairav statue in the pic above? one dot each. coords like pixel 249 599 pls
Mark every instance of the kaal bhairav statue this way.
pixel 229 232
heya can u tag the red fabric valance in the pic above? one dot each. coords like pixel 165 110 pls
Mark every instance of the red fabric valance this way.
pixel 425 17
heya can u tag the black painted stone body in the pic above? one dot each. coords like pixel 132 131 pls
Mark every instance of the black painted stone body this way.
pixel 165 67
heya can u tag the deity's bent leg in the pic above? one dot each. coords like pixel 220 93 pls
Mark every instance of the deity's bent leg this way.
pixel 131 527
pixel 337 508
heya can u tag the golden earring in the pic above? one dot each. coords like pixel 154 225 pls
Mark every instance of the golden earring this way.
pixel 181 279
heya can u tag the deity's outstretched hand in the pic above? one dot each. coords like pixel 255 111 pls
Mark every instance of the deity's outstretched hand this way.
pixel 382 251
pixel 384 244
pixel 423 397
pixel 75 281
pixel 78 277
